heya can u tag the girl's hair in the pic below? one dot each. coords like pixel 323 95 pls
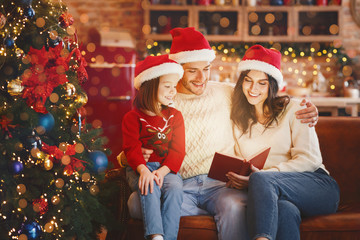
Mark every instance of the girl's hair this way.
pixel 146 98
pixel 243 113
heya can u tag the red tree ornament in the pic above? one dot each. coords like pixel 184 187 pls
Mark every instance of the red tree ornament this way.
pixel 41 205
pixel 66 20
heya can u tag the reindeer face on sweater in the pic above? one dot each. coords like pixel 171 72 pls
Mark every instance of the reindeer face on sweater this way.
pixel 159 136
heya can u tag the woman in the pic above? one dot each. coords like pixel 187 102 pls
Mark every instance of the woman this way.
pixel 294 183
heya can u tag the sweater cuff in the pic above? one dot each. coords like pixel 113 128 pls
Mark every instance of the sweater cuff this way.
pixel 273 169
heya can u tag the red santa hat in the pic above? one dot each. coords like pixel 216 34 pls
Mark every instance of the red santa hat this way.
pixel 262 59
pixel 189 45
pixel 155 66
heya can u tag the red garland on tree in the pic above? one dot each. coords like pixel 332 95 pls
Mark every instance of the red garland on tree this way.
pixel 66 20
pixel 80 66
pixel 47 71
pixel 74 165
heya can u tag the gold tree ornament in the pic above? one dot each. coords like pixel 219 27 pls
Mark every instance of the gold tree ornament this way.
pixel 23 237
pixel 55 200
pixel 22 203
pixel 81 98
pixel 86 177
pixel 49 227
pixel 15 88
pixel 94 190
pixel 21 188
pixel 59 183
pixel 70 90
pixel 48 164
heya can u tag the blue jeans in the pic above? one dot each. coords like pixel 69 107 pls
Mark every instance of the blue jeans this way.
pixel 278 200
pixel 161 209
pixel 204 196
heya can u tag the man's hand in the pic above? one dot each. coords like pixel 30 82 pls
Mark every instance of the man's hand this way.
pixel 309 114
pixel 146 153
pixel 161 173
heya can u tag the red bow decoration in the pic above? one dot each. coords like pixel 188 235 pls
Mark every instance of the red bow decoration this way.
pixel 5 124
pixel 81 64
pixel 54 152
pixel 47 71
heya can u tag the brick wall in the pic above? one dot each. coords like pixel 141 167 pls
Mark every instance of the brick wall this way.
pixel 128 14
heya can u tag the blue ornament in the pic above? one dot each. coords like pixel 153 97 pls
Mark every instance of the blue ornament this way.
pixel 26 2
pixel 100 161
pixel 54 42
pixel 31 229
pixel 17 167
pixel 33 141
pixel 276 2
pixel 9 42
pixel 47 121
pixel 29 12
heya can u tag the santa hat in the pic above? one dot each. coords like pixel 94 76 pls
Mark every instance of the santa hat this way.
pixel 155 66
pixel 189 45
pixel 262 59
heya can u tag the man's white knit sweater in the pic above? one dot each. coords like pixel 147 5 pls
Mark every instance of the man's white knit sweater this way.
pixel 294 145
pixel 208 128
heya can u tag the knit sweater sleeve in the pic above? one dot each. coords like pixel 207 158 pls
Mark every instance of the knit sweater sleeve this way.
pixel 305 151
pixel 177 144
pixel 131 140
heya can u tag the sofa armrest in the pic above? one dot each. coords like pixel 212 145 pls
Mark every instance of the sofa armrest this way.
pixel 118 176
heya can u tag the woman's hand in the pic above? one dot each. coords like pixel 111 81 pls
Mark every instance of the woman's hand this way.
pixel 309 114
pixel 238 181
pixel 146 179
pixel 161 173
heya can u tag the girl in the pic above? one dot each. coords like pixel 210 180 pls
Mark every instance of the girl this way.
pixel 294 183
pixel 153 124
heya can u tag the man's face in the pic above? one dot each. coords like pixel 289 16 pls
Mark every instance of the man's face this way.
pixel 196 76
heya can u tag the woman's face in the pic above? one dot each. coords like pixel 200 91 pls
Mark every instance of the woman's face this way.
pixel 256 87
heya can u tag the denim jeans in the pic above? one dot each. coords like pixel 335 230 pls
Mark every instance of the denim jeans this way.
pixel 205 196
pixel 278 200
pixel 161 209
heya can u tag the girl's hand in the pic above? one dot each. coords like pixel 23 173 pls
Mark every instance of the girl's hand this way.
pixel 238 181
pixel 161 173
pixel 146 153
pixel 146 179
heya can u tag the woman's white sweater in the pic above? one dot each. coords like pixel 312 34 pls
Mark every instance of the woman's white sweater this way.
pixel 294 145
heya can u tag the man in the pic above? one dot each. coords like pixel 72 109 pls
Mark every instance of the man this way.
pixel 206 110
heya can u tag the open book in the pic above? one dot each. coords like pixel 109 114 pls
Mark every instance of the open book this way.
pixel 222 164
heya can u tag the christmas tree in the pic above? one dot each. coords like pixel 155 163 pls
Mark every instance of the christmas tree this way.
pixel 51 161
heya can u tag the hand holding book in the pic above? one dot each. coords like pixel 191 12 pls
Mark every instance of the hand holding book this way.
pixel 222 164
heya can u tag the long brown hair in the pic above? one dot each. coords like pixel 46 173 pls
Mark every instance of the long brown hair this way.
pixel 243 113
pixel 146 98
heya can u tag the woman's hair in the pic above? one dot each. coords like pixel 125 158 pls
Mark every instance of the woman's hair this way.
pixel 243 113
pixel 146 98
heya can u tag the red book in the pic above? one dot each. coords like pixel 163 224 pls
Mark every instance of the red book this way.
pixel 222 164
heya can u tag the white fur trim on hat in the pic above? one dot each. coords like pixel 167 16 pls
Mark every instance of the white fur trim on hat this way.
pixel 157 71
pixel 261 66
pixel 193 56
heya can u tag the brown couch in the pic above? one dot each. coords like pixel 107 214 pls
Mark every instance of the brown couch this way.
pixel 340 146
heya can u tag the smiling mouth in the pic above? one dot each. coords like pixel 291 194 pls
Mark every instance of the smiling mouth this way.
pixel 253 95
pixel 198 84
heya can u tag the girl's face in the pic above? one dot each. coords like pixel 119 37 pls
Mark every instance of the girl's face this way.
pixel 167 88
pixel 256 87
